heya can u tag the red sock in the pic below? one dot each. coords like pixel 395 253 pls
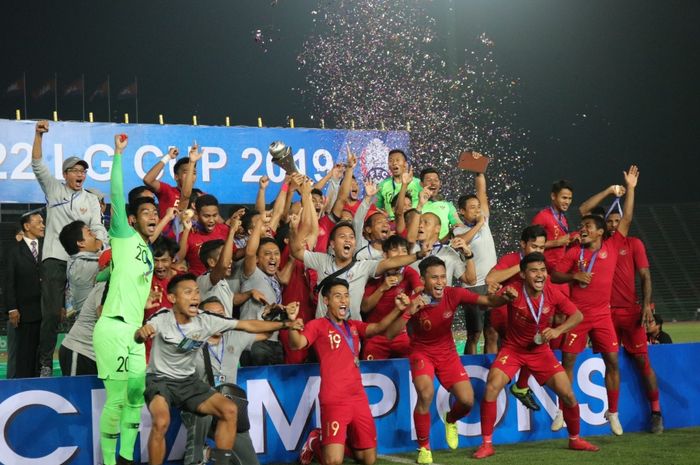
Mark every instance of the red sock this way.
pixel 521 383
pixel 318 450
pixel 613 397
pixel 488 419
pixel 457 412
pixel 572 417
pixel 653 397
pixel 422 422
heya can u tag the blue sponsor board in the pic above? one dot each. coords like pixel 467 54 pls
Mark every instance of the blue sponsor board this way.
pixel 234 157
pixel 55 421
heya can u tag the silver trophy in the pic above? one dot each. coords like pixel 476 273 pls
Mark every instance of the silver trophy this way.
pixel 282 156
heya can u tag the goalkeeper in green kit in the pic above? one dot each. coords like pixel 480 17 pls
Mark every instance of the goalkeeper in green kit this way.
pixel 121 362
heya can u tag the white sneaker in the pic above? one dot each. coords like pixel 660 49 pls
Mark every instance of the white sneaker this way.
pixel 558 422
pixel 614 421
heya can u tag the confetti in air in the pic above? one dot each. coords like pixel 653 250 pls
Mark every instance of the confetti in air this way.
pixel 382 60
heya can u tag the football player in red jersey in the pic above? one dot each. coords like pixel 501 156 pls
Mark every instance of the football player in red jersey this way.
pixel 629 317
pixel 345 414
pixel 590 269
pixel 507 271
pixel 433 351
pixel 525 346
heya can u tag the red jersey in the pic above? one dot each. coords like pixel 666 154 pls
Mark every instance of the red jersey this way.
pixel 555 227
pixel 298 289
pixel 162 286
pixel 633 257
pixel 521 324
pixel 341 381
pixel 167 195
pixel 430 328
pixel 195 241
pixel 411 280
pixel 593 299
pixel 325 225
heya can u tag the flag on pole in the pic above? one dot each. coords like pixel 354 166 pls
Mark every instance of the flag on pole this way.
pixel 101 91
pixel 129 91
pixel 45 88
pixel 15 87
pixel 73 88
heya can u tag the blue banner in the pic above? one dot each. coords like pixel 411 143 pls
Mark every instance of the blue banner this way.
pixel 55 421
pixel 234 157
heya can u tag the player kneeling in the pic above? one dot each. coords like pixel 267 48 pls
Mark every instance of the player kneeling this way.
pixel 526 345
pixel 170 376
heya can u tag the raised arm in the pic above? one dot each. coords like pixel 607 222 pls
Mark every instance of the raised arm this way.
pixel 499 276
pixel 119 224
pixel 469 275
pixel 251 248
pixel 345 186
pixel 226 256
pixel 151 178
pixel 278 208
pixel 396 326
pixel 49 184
pixel 188 182
pixel 260 198
pixel 480 189
pixel 631 178
pixel 594 200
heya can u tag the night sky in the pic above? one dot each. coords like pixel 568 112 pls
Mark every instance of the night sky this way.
pixel 602 84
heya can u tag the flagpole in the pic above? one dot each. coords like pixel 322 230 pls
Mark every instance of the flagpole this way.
pixel 24 85
pixel 55 92
pixel 109 102
pixel 82 80
pixel 136 83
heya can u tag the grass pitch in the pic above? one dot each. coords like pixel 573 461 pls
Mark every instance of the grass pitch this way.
pixel 673 447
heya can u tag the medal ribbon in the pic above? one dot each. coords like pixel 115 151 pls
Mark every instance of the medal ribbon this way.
pixel 615 205
pixel 558 217
pixel 220 357
pixel 532 308
pixel 347 336
pixel 590 264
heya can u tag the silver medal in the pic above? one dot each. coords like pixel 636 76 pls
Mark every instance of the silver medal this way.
pixel 538 338
pixel 357 362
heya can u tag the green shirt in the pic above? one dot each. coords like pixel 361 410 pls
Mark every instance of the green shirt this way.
pixel 388 189
pixel 447 213
pixel 132 259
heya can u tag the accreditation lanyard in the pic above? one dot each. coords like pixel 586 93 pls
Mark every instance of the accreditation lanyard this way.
pixel 558 218
pixel 347 335
pixel 537 315
pixel 615 205
pixel 588 268
pixel 187 344
pixel 219 358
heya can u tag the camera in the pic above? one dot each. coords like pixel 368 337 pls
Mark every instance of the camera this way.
pixel 275 312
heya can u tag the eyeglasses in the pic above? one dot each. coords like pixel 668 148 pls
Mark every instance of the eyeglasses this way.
pixel 76 171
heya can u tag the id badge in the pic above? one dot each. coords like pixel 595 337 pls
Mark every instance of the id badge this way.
pixel 219 380
pixel 188 345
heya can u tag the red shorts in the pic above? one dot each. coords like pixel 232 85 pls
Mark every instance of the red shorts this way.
pixel 382 348
pixel 447 367
pixel 353 420
pixel 632 335
pixel 541 363
pixel 601 331
pixel 499 320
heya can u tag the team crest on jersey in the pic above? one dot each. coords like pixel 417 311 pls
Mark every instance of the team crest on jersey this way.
pixel 623 251
pixel 83 211
pixel 230 349
pixel 603 254
pixel 546 309
pixel 447 314
pixel 350 275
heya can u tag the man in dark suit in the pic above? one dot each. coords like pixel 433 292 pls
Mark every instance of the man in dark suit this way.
pixel 23 298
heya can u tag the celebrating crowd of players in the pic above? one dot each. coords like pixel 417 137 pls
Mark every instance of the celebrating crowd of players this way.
pixel 176 294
